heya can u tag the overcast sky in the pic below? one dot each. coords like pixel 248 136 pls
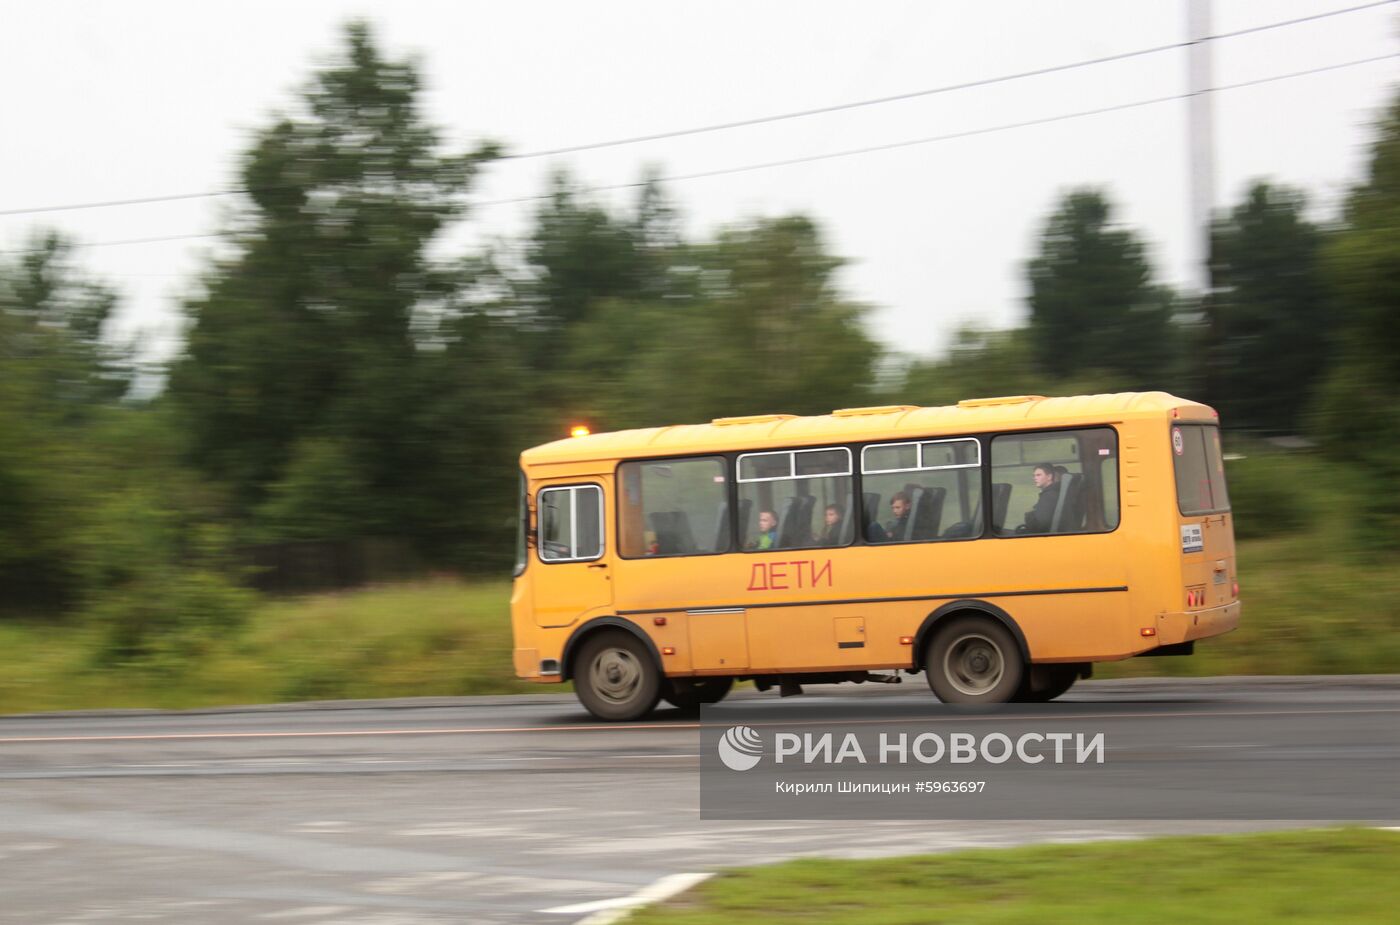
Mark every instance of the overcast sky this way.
pixel 129 99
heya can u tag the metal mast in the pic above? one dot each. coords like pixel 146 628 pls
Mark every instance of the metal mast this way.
pixel 1201 140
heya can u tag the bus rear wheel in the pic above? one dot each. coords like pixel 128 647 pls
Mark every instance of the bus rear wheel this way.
pixel 615 677
pixel 973 660
pixel 690 693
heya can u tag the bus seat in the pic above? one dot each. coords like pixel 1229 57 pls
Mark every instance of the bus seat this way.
pixel 1068 486
pixel 745 514
pixel 721 528
pixel 673 536
pixel 790 527
pixel 870 511
pixel 927 514
pixel 798 528
pixel 1001 499
pixel 1072 519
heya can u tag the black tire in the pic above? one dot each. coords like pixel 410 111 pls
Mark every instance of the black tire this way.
pixel 975 660
pixel 1056 680
pixel 690 693
pixel 615 677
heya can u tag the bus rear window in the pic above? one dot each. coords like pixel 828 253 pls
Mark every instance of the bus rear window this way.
pixel 1200 469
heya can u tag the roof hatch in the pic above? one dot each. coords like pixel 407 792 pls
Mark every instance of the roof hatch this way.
pixel 753 419
pixel 1003 400
pixel 876 409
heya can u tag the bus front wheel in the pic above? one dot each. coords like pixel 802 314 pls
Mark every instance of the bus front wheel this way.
pixel 973 659
pixel 615 677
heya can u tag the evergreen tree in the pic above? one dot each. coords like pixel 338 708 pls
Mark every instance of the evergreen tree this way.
pixel 306 367
pixel 1356 412
pixel 1093 303
pixel 1270 338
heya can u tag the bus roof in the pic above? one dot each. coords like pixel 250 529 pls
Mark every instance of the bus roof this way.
pixel 855 425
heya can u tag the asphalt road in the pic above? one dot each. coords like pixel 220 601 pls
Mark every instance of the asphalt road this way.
pixel 487 810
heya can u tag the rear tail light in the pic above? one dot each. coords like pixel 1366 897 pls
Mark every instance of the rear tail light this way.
pixel 1235 589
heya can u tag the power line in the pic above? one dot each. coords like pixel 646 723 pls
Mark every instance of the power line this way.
pixel 849 152
pixel 933 91
pixel 155 240
pixel 758 120
pixel 143 200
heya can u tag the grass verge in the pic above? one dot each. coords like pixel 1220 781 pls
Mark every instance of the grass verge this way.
pixel 1324 877
pixel 1304 614
pixel 428 638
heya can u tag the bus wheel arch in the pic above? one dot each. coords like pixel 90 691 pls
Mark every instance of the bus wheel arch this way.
pixel 970 607
pixel 597 625
pixel 973 657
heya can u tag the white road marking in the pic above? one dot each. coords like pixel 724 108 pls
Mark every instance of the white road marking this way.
pixel 607 911
pixel 597 905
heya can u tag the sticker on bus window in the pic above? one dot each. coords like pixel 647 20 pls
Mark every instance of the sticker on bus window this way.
pixel 1191 538
pixel 1178 443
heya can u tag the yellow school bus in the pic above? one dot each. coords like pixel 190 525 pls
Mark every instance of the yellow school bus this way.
pixel 1001 546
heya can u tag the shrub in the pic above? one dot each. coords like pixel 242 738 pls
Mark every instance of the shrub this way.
pixel 1273 493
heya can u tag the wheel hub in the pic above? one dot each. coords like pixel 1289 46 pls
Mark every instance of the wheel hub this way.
pixel 615 675
pixel 974 665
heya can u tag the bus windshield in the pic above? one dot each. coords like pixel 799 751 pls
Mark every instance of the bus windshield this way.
pixel 522 531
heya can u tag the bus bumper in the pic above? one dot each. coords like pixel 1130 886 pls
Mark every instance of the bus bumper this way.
pixel 529 667
pixel 1173 628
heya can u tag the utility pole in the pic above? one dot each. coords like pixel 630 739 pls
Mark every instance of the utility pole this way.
pixel 1201 142
pixel 1201 138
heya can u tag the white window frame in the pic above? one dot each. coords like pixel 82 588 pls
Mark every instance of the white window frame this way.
pixel 919 456
pixel 573 491
pixel 792 465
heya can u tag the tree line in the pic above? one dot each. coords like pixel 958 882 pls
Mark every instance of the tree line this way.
pixel 341 377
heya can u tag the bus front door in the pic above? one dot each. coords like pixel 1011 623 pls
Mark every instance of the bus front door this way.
pixel 572 575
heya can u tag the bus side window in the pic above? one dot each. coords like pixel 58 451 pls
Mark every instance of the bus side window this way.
pixel 796 487
pixel 1084 471
pixel 674 507
pixel 571 523
pixel 924 485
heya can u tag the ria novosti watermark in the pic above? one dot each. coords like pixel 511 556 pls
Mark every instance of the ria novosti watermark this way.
pixel 1046 762
pixel 741 748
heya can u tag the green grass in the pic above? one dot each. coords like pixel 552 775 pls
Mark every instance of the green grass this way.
pixel 1305 611
pixel 1324 877
pixel 1315 601
pixel 440 637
